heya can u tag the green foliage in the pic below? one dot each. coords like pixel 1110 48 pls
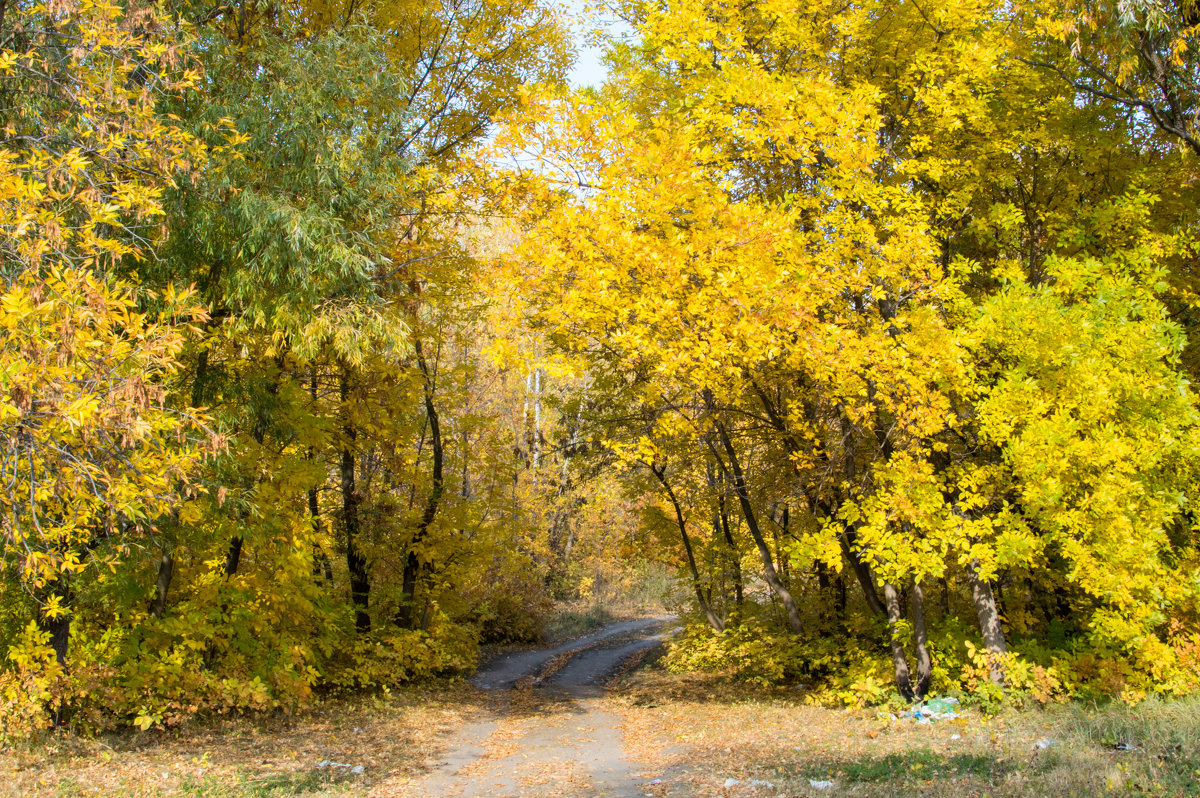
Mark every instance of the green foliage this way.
pixel 396 656
pixel 518 613
pixel 755 655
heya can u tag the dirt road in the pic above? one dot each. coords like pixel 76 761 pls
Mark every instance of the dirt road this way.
pixel 550 736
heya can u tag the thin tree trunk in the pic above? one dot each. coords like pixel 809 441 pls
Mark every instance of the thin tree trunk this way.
pixel 722 518
pixel 769 573
pixel 166 570
pixel 823 592
pixel 536 443
pixel 862 572
pixel 59 629
pixel 841 600
pixel 861 569
pixel 360 582
pixel 705 605
pixel 412 563
pixel 733 571
pixel 166 566
pixel 233 556
pixel 781 533
pixel 899 658
pixel 924 661
pixel 321 561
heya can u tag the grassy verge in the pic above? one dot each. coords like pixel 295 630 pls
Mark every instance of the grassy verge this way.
pixel 391 738
pixel 695 733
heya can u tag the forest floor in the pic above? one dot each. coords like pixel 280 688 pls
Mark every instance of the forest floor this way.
pixel 579 719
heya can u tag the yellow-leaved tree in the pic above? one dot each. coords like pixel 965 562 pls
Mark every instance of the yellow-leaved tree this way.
pixel 91 451
pixel 872 264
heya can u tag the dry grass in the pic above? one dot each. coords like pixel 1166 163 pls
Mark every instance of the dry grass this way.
pixel 392 737
pixel 696 732
pixel 690 731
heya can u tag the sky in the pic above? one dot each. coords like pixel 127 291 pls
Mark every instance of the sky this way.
pixel 589 68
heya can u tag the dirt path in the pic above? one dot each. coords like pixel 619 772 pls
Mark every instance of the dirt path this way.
pixel 551 735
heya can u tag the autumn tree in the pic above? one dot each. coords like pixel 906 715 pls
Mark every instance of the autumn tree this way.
pixel 94 453
pixel 790 217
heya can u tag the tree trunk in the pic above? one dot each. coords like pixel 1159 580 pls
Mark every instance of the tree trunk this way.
pixel 536 443
pixel 841 600
pixel 781 533
pixel 924 661
pixel 59 629
pixel 732 556
pixel 233 556
pixel 166 570
pixel 988 613
pixel 360 582
pixel 321 563
pixel 861 569
pixel 705 606
pixel 721 523
pixel 412 563
pixel 823 592
pixel 769 573
pixel 899 658
pixel 862 572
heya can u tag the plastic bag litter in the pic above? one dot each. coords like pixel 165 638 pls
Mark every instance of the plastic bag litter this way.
pixel 326 763
pixel 935 709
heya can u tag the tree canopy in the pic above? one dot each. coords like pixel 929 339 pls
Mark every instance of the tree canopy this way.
pixel 341 337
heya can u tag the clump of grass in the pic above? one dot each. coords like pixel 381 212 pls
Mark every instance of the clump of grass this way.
pixel 1155 725
pixel 1159 738
pixel 274 785
pixel 918 765
pixel 575 620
